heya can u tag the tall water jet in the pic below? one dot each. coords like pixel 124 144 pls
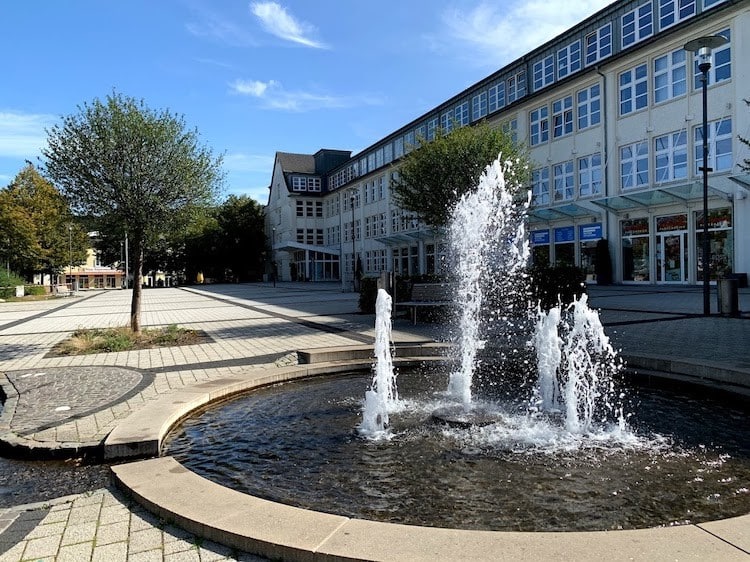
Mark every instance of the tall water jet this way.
pixel 383 394
pixel 548 347
pixel 489 247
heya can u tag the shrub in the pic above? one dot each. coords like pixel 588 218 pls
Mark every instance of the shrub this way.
pixel 34 290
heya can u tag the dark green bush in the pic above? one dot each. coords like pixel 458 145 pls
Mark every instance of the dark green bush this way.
pixel 551 284
pixel 34 290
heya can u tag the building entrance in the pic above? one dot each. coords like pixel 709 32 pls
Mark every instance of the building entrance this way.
pixel 672 257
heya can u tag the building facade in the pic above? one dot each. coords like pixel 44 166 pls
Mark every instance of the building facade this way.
pixel 611 112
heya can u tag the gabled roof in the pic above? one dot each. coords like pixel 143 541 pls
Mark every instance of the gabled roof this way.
pixel 301 163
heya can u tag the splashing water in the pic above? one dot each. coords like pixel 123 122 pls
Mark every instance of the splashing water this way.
pixel 382 397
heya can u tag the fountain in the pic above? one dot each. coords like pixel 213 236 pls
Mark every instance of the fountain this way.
pixel 542 448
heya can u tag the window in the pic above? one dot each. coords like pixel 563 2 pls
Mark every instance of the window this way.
pixel 516 86
pixel 446 122
pixel 721 67
pixel 363 166
pixel 637 24
pixel 670 157
pixel 540 186
pixel 719 146
pixel 674 11
pixel 589 107
pixel 388 153
pixel 410 140
pixel 299 183
pixel 379 154
pixel 634 89
pixel 562 117
pixel 564 184
pixel 544 72
pixel 599 44
pixel 634 165
pixel 590 175
pixel 300 208
pixel 319 209
pixel 398 147
pixel 479 106
pixel 539 125
pixel 497 96
pixel 313 184
pixel 371 161
pixel 569 59
pixel 511 129
pixel 461 114
pixel 709 3
pixel 431 128
pixel 670 79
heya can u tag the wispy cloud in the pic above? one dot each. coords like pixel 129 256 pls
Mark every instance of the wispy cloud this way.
pixel 241 162
pixel 273 96
pixel 277 21
pixel 491 33
pixel 212 26
pixel 22 135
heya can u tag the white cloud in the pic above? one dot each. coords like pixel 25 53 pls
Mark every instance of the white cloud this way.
pixel 22 135
pixel 492 31
pixel 241 162
pixel 277 21
pixel 213 26
pixel 274 96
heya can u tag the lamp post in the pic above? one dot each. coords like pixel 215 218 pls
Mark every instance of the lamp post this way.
pixel 703 46
pixel 273 255
pixel 70 254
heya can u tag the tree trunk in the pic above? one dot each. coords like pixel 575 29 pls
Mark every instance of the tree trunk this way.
pixel 135 303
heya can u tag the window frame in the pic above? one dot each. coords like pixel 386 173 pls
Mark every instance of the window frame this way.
pixel 639 154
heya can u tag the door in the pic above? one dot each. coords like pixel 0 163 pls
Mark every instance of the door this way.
pixel 671 258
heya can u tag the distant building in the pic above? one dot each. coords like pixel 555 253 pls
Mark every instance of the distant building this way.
pixel 611 112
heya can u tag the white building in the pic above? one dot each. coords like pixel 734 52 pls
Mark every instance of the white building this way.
pixel 611 111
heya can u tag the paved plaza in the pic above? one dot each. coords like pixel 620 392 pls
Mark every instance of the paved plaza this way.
pixel 68 405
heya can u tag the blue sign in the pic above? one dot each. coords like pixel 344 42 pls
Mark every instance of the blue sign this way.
pixel 565 234
pixel 540 236
pixel 590 231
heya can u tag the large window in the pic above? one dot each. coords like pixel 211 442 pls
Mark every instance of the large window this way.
pixel 497 96
pixel 589 106
pixel 539 125
pixel 674 11
pixel 511 129
pixel 634 165
pixel 544 72
pixel 670 78
pixel 564 182
pixel 719 146
pixel 461 114
pixel 299 183
pixel 432 126
pixel 636 257
pixel 633 89
pixel 479 106
pixel 590 175
pixel 562 117
pixel 516 86
pixel 569 59
pixel 721 64
pixel 670 156
pixel 540 186
pixel 637 24
pixel 599 44
pixel 446 122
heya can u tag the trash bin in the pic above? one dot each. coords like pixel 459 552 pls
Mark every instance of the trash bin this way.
pixel 727 293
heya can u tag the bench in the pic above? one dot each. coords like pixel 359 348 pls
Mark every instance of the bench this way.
pixel 63 290
pixel 428 295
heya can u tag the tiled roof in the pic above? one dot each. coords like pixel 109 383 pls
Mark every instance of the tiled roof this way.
pixel 302 163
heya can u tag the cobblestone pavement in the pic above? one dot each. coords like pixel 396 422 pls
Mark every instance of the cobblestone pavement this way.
pixel 55 401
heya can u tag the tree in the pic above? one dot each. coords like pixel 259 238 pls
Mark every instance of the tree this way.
pixel 137 170
pixel 434 176
pixel 37 226
pixel 243 241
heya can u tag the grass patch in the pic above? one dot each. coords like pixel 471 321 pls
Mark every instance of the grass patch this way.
pixel 102 340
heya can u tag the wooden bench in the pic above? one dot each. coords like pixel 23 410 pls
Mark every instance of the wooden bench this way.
pixel 428 295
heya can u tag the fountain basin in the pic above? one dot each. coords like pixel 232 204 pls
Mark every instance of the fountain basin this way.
pixel 274 530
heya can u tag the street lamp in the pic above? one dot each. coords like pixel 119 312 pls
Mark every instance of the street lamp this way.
pixel 273 255
pixel 703 46
pixel 70 253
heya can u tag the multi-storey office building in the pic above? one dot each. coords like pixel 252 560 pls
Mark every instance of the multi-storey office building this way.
pixel 611 112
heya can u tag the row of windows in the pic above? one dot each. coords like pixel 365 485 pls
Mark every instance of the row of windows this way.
pixel 309 208
pixel 310 236
pixel 305 183
pixel 587 113
pixel 582 177
pixel 376 261
pixel 668 78
pixel 670 156
pixel 376 225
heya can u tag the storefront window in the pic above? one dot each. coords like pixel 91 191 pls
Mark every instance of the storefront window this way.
pixel 635 250
pixel 565 250
pixel 721 242
pixel 540 247
pixel 588 235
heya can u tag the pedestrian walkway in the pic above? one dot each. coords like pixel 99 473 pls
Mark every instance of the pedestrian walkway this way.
pixel 62 405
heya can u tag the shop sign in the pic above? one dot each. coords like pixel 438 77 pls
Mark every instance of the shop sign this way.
pixel 671 223
pixel 564 234
pixel 540 236
pixel 717 218
pixel 634 227
pixel 590 231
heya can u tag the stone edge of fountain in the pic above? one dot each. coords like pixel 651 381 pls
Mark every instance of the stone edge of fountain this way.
pixel 178 495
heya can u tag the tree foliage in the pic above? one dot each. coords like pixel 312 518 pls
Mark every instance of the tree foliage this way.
pixel 38 233
pixel 134 169
pixel 434 176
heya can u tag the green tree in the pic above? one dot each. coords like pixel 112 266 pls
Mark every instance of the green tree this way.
pixel 434 176
pixel 135 169
pixel 37 226
pixel 243 241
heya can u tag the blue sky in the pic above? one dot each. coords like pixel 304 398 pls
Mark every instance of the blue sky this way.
pixel 256 77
